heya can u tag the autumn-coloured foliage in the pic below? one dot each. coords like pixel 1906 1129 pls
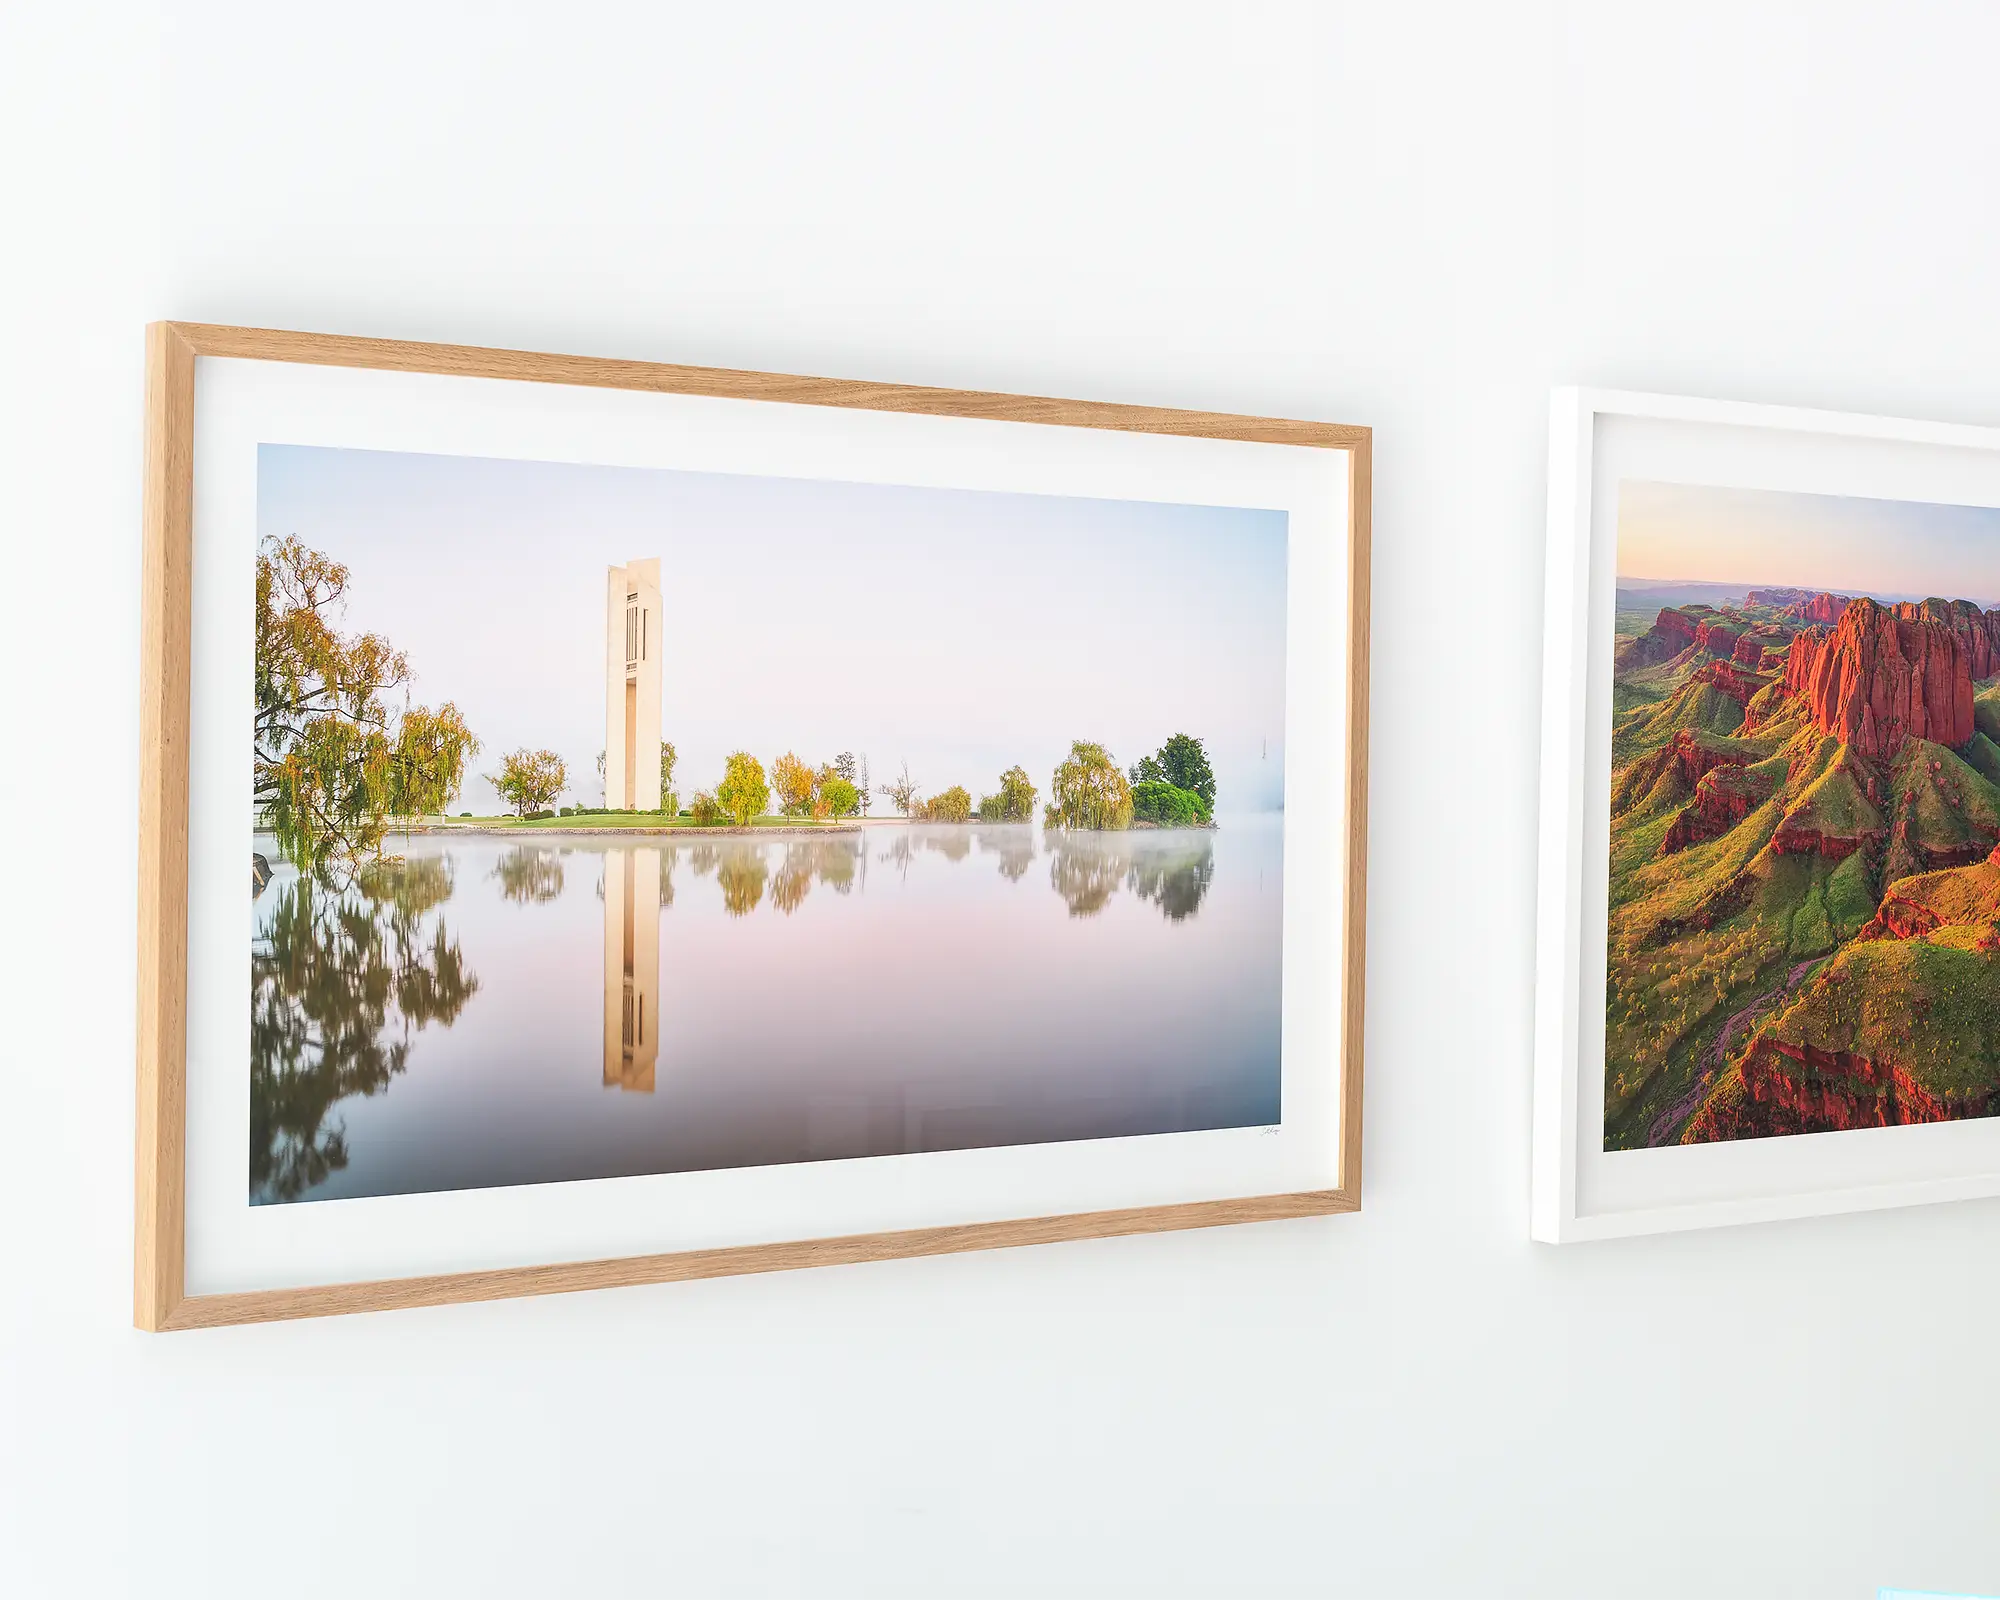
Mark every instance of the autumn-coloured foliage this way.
pixel 795 784
pixel 954 805
pixel 332 758
pixel 743 793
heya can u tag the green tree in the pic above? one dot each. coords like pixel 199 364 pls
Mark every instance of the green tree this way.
pixel 795 783
pixel 743 793
pixel 1182 762
pixel 1017 796
pixel 331 759
pixel 669 801
pixel 838 796
pixel 432 748
pixel 1089 791
pixel 530 780
pixel 706 807
pixel 1166 805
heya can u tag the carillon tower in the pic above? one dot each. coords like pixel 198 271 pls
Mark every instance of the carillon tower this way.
pixel 632 686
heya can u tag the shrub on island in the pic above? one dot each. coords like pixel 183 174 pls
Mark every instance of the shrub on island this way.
pixel 954 805
pixel 1168 806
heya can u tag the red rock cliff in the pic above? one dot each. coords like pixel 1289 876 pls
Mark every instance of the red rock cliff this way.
pixel 1716 637
pixel 1978 632
pixel 1824 609
pixel 1880 679
pixel 1807 646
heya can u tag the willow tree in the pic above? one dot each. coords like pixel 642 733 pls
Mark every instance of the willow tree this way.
pixel 953 805
pixel 1088 791
pixel 333 758
pixel 1017 796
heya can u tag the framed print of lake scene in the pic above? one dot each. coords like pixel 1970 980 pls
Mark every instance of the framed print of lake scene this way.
pixel 1798 854
pixel 700 822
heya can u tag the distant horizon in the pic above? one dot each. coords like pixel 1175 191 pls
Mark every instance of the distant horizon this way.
pixel 1630 584
pixel 962 631
pixel 1629 580
pixel 1831 544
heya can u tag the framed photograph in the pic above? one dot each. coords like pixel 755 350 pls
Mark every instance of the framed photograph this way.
pixel 1768 957
pixel 607 822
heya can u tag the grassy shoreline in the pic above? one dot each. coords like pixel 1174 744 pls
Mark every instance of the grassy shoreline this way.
pixel 643 823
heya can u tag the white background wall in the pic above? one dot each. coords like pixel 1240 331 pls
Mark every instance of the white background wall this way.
pixel 1415 216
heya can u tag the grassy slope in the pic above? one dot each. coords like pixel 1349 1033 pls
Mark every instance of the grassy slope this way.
pixel 1940 803
pixel 1931 1006
pixel 1697 707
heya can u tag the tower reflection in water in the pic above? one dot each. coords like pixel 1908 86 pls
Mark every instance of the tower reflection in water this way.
pixel 631 968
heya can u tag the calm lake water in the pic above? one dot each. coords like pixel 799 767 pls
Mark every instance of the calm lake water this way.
pixel 486 1011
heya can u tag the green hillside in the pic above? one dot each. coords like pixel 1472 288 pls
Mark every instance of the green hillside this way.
pixel 1750 857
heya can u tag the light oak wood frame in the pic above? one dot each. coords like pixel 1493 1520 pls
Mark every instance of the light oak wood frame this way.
pixel 160 1297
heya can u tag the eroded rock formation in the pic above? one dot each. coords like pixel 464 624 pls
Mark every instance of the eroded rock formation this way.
pixel 1879 679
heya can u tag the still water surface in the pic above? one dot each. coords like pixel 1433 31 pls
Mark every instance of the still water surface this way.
pixel 486 1011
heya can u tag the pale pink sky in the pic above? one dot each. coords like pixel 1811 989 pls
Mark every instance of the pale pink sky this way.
pixel 960 631
pixel 1697 533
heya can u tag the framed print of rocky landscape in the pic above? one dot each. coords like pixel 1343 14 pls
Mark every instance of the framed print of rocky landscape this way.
pixel 1771 897
pixel 699 822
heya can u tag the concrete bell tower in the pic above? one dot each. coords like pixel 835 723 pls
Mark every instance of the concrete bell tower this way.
pixel 632 686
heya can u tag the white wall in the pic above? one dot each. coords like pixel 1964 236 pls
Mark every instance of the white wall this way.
pixel 1413 216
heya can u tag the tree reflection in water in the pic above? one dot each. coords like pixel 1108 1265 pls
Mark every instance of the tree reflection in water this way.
pixel 953 843
pixel 1086 870
pixel 741 873
pixel 834 861
pixel 1176 878
pixel 1015 846
pixel 898 853
pixel 1169 870
pixel 530 875
pixel 806 862
pixel 794 879
pixel 338 983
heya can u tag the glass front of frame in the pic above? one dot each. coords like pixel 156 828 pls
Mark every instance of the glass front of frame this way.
pixel 616 821
pixel 1804 895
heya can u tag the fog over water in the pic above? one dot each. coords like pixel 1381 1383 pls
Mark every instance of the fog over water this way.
pixel 488 1011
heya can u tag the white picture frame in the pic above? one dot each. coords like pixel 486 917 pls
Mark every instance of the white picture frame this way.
pixel 1596 437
